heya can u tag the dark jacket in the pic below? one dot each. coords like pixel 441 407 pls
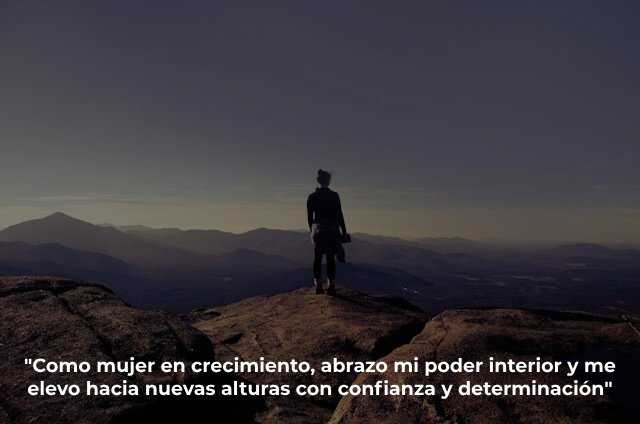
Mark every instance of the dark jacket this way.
pixel 324 209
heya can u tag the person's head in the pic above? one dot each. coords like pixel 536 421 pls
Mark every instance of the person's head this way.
pixel 324 178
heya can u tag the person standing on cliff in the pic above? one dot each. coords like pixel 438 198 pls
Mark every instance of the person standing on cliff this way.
pixel 328 230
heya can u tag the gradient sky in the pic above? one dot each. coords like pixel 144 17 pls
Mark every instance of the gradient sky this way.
pixel 493 119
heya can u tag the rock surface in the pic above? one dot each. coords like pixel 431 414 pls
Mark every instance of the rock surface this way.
pixel 63 320
pixel 503 334
pixel 315 328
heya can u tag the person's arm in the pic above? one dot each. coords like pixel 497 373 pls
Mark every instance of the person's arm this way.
pixel 341 222
pixel 310 212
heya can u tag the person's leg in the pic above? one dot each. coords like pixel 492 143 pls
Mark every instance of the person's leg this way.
pixel 317 268
pixel 331 272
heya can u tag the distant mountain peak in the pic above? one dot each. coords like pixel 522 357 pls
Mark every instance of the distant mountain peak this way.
pixel 58 220
pixel 60 216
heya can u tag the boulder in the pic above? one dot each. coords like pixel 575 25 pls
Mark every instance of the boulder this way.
pixel 308 327
pixel 521 335
pixel 63 320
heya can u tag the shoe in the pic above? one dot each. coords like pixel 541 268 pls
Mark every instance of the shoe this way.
pixel 318 287
pixel 331 289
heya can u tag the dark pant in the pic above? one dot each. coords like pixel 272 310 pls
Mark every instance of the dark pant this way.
pixel 317 263
pixel 325 242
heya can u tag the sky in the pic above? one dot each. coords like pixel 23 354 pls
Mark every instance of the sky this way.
pixel 488 120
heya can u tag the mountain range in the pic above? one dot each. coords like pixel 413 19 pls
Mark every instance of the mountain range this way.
pixel 182 269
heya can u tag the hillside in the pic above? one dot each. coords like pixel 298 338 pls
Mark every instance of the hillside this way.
pixel 73 320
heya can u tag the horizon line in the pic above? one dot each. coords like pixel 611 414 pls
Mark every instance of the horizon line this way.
pixel 415 239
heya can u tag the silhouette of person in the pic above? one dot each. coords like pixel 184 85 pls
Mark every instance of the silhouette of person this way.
pixel 325 218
